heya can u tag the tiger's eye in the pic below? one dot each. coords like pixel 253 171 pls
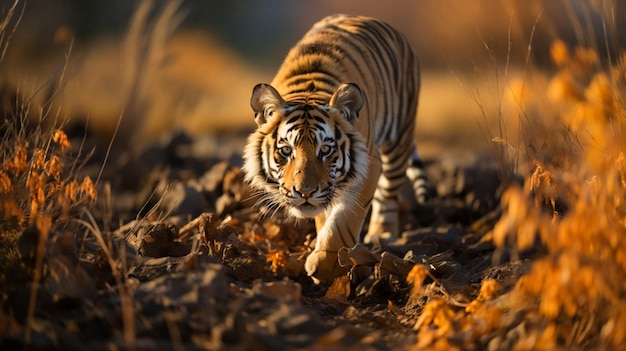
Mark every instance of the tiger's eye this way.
pixel 285 151
pixel 325 150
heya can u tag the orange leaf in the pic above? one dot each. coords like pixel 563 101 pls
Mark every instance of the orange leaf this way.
pixel 339 290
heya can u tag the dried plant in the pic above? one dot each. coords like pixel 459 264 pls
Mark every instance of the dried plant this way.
pixel 573 296
pixel 40 190
pixel 36 176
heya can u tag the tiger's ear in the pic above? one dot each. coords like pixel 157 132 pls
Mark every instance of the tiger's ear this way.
pixel 349 99
pixel 265 101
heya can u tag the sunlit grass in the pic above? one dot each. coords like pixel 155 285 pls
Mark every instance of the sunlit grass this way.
pixel 572 204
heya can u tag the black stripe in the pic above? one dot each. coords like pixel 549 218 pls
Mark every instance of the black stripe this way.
pixel 397 162
pixel 394 145
pixel 320 49
pixel 315 66
pixel 396 172
pixel 293 119
pixel 417 163
pixel 268 156
pixel 393 190
pixel 291 82
pixel 318 119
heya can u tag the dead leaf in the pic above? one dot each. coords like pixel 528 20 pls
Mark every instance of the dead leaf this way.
pixel 339 290
pixel 359 255
pixel 416 278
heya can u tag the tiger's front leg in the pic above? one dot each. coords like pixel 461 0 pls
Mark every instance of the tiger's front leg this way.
pixel 341 227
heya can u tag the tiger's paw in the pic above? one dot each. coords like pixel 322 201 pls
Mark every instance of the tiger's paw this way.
pixel 323 267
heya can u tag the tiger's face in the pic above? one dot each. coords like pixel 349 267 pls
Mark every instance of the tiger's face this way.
pixel 303 157
pixel 305 162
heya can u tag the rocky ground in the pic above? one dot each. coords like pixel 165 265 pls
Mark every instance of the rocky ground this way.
pixel 174 256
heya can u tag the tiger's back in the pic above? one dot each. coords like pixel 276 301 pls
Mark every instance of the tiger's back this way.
pixel 361 50
pixel 335 134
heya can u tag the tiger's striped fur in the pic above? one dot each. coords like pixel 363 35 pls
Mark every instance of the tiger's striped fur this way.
pixel 335 134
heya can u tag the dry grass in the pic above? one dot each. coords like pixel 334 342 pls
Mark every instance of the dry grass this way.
pixel 38 172
pixel 39 187
pixel 572 205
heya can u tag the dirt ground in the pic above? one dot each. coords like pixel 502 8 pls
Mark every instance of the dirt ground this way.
pixel 186 262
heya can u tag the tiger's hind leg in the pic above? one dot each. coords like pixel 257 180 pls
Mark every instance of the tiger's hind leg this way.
pixel 384 220
pixel 418 178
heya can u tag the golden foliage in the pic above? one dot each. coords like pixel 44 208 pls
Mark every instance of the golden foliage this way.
pixel 559 53
pixel 580 280
pixel 34 183
pixel 416 278
pixel 435 322
pixel 278 259
pixel 60 138
pixel 541 181
pixel 71 190
pixel 438 314
pixel 520 223
pixel 574 295
pixel 88 189
pixel 53 167
pixel 488 289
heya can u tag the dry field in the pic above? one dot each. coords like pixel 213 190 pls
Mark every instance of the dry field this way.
pixel 125 222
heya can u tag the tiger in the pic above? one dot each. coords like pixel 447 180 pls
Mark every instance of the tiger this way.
pixel 334 135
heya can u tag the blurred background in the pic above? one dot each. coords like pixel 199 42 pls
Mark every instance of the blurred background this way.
pixel 191 65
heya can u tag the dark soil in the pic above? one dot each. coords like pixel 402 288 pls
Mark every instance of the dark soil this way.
pixel 175 256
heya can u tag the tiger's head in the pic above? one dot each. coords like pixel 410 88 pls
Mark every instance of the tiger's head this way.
pixel 304 156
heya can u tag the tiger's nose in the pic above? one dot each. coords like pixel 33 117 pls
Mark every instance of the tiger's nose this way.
pixel 305 191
